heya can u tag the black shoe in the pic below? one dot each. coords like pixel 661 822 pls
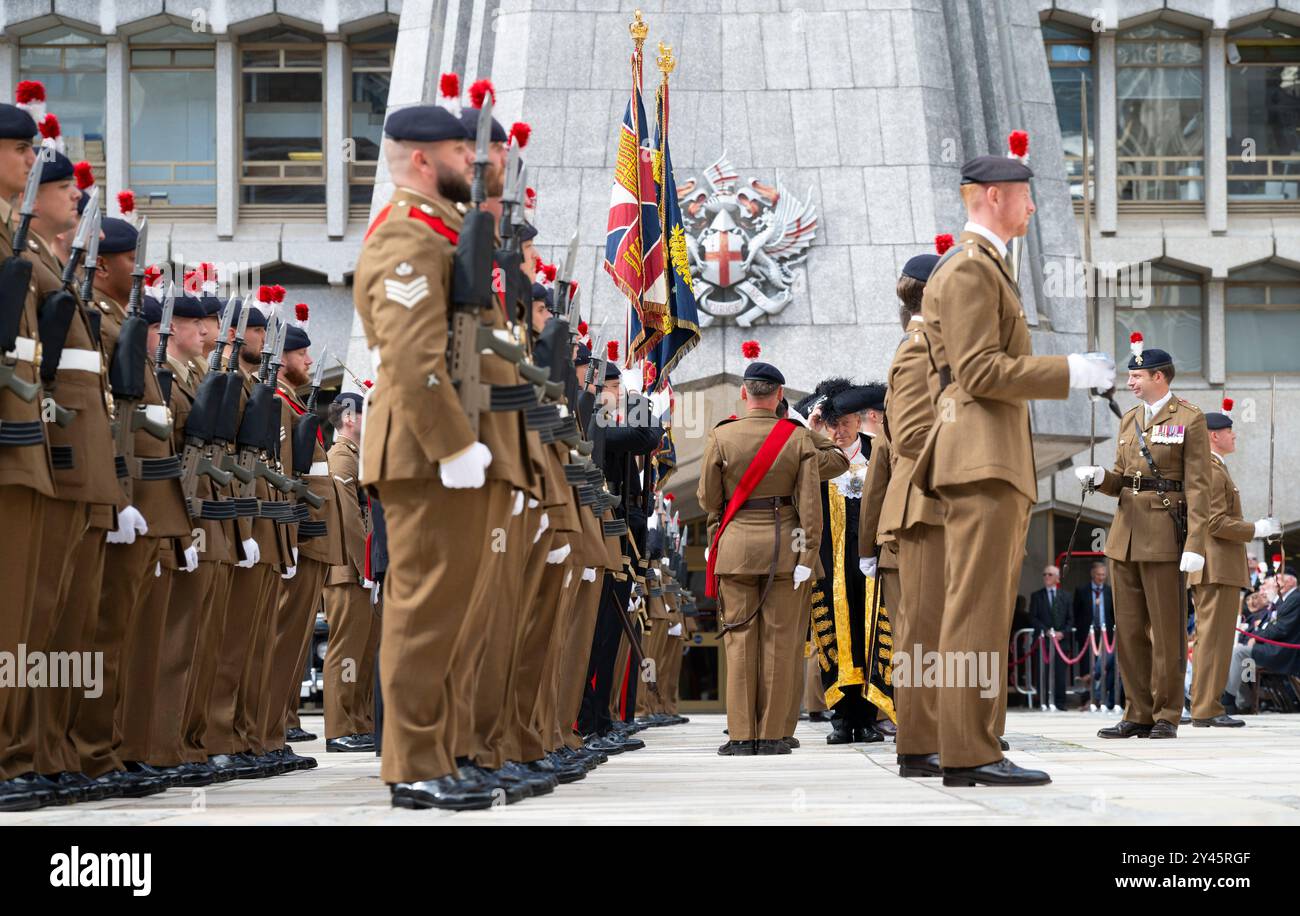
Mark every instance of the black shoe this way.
pixel 268 763
pixel 1223 721
pixel 566 754
pixel 237 766
pixel 648 722
pixel 350 744
pixel 294 761
pixel 627 742
pixel 445 792
pixel 1185 718
pixel 792 742
pixel 297 734
pixel 1229 703
pixel 133 785
pixel 22 796
pixel 69 787
pixel 49 791
pixel 1163 729
pixel 563 773
pixel 1002 743
pixel 602 744
pixel 91 790
pixel 191 774
pixel 819 716
pixel 504 790
pixel 540 783
pixel 914 765
pixel 1125 729
pixel 737 749
pixel 886 728
pixel 770 747
pixel 841 732
pixel 590 753
pixel 867 735
pixel 1002 773
pixel 140 768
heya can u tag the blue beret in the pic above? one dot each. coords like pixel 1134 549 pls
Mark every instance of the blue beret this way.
pixel 989 169
pixel 918 267
pixel 212 305
pixel 764 372
pixel 119 236
pixel 351 397
pixel 256 317
pixel 525 232
pixel 611 370
pixel 188 307
pixel 583 355
pixel 57 168
pixel 296 339
pixel 469 118
pixel 425 124
pixel 544 294
pixel 1151 359
pixel 15 123
pixel 151 310
pixel 1218 421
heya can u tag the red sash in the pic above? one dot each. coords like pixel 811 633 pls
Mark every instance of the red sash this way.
pixel 300 411
pixel 753 475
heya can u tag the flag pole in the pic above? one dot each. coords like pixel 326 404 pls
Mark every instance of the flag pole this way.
pixel 639 31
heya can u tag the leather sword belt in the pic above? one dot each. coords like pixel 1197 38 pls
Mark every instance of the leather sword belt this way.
pixel 767 502
pixel 1138 482
pixel 26 432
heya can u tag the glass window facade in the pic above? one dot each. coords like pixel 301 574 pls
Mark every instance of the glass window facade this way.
pixel 173 141
pixel 1263 146
pixel 371 60
pixel 1171 319
pixel 1262 312
pixel 1160 113
pixel 71 65
pixel 1070 63
pixel 282 154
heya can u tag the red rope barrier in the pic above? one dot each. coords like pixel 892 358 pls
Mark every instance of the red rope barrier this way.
pixel 1056 641
pixel 1271 642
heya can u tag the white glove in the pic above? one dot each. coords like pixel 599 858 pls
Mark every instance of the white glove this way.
pixel 292 570
pixel 191 558
pixel 706 554
pixel 589 574
pixel 519 502
pixel 868 566
pixel 652 523
pixel 1090 473
pixel 557 555
pixel 465 471
pixel 675 630
pixel 252 553
pixel 532 503
pixel 1191 562
pixel 542 526
pixel 1267 528
pixel 368 584
pixel 1091 370
pixel 801 574
pixel 130 523
pixel 157 570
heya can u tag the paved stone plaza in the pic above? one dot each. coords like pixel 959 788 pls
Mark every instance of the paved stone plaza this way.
pixel 1206 776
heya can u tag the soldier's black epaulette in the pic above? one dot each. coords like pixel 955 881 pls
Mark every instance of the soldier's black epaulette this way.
pixel 721 423
pixel 797 424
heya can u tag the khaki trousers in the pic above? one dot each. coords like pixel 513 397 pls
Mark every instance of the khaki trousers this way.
pixel 653 645
pixel 253 683
pixel 66 523
pixel 207 659
pixel 24 514
pixel 349 659
pixel 128 578
pixel 492 605
pixel 1150 639
pixel 917 622
pixel 294 620
pixel 226 731
pixel 1217 610
pixel 574 656
pixel 670 680
pixel 141 660
pixel 75 632
pixel 801 639
pixel 531 693
pixel 438 540
pixel 760 654
pixel 985 523
pixel 191 593
pixel 545 716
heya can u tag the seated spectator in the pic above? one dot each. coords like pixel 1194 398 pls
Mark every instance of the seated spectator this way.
pixel 1282 625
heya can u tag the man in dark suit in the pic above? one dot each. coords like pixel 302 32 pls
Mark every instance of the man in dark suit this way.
pixel 1048 608
pixel 1284 627
pixel 1094 608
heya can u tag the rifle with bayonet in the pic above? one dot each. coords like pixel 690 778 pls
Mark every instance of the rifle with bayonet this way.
pixel 15 281
pixel 126 375
pixel 202 454
pixel 161 368
pixel 258 426
pixel 81 241
pixel 297 510
pixel 305 433
pixel 92 258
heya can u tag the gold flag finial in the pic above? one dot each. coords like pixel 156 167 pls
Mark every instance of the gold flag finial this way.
pixel 638 29
pixel 665 59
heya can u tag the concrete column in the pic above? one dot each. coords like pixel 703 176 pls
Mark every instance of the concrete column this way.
pixel 117 118
pixel 1215 333
pixel 8 68
pixel 1216 133
pixel 228 94
pixel 337 98
pixel 1107 167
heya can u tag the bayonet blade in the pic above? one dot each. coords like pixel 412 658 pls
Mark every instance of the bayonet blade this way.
pixel 227 318
pixel 320 363
pixel 272 330
pixel 88 214
pixel 92 243
pixel 517 217
pixel 570 258
pixel 243 319
pixel 169 306
pixel 33 184
pixel 483 137
pixel 141 246
pixel 512 172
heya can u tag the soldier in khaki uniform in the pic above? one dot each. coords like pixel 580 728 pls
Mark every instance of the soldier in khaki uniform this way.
pixel 349 608
pixel 916 522
pixel 1159 533
pixel 1217 588
pixel 979 459
pixel 761 561
pixel 419 451
pixel 26 482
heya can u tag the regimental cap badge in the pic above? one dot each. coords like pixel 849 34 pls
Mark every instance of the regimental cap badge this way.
pixel 404 269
